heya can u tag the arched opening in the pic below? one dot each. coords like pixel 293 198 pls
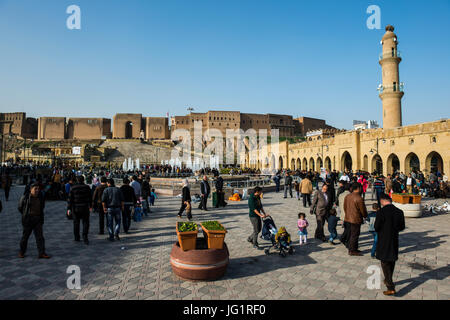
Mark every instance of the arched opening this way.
pixel 259 165
pixel 299 164
pixel 272 163
pixel 377 164
pixel 266 163
pixel 393 164
pixel 365 163
pixel 412 163
pixel 128 130
pixel 346 162
pixel 328 163
pixel 305 164
pixel 280 162
pixel 312 164
pixel 434 163
pixel 319 163
pixel 293 164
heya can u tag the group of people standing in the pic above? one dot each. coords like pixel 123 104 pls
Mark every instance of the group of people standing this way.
pixel 110 202
pixel 385 220
pixel 205 190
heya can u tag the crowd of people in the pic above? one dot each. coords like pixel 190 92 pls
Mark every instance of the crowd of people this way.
pixel 328 196
pixel 347 204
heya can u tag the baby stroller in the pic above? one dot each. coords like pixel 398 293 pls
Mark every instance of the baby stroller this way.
pixel 269 230
pixel 281 240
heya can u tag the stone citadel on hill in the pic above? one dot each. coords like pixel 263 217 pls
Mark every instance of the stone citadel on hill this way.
pixel 135 126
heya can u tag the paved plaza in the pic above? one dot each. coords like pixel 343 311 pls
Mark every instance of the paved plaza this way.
pixel 138 267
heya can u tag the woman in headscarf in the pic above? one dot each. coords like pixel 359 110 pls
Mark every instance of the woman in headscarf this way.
pixel 186 201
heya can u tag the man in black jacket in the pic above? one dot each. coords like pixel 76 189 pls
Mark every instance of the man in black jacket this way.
pixel 287 185
pixel 129 201
pixel 145 193
pixel 220 194
pixel 389 221
pixel 205 189
pixel 97 200
pixel 31 206
pixel 80 204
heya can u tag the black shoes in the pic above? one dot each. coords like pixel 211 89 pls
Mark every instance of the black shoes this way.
pixel 86 241
pixel 44 256
pixel 117 237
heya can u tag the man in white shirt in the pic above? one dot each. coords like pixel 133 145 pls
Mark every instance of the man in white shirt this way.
pixel 345 178
pixel 409 183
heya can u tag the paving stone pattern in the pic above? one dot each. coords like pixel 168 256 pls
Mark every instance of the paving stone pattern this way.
pixel 138 267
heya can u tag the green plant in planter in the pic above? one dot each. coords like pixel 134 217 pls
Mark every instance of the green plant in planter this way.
pixel 213 225
pixel 187 226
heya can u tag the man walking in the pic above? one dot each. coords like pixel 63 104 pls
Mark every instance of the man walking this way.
pixel 136 186
pixel 389 222
pixel 306 190
pixel 205 189
pixel 277 179
pixel 145 194
pixel 379 187
pixel 287 185
pixel 113 203
pixel 320 207
pixel 256 212
pixel 6 184
pixel 31 206
pixel 355 212
pixel 80 204
pixel 129 201
pixel 97 200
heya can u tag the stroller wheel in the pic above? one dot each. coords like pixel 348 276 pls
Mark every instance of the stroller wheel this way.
pixel 283 254
pixel 291 250
pixel 266 251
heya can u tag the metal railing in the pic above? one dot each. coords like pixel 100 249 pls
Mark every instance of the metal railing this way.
pixel 391 88
pixel 390 54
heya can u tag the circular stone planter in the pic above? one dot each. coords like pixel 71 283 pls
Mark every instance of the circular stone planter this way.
pixel 201 263
pixel 410 210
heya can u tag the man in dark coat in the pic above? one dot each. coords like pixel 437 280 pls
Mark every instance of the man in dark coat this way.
pixel 287 185
pixel 220 194
pixel 31 206
pixel 388 223
pixel 205 190
pixel 97 200
pixel 320 207
pixel 129 202
pixel 80 203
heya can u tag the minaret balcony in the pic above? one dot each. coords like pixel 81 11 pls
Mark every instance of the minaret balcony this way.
pixel 390 54
pixel 391 88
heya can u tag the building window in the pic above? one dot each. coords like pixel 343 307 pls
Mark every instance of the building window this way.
pixel 433 140
pixel 411 141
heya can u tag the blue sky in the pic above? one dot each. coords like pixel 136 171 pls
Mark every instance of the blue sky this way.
pixel 304 58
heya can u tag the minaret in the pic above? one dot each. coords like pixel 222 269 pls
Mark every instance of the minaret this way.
pixel 391 91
